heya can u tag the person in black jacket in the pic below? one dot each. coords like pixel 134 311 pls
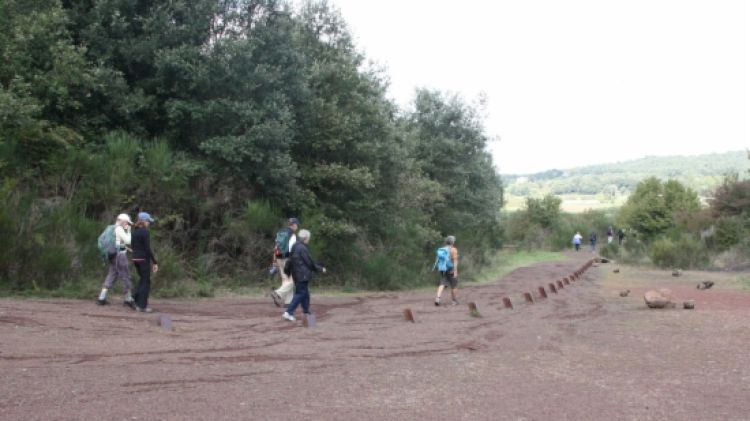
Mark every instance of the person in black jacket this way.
pixel 142 258
pixel 302 267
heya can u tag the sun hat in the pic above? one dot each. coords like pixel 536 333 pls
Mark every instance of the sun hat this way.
pixel 124 217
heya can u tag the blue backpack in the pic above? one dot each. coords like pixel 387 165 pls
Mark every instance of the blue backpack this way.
pixel 443 261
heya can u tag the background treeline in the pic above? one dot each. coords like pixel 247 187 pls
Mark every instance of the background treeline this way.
pixel 704 173
pixel 222 118
pixel 664 222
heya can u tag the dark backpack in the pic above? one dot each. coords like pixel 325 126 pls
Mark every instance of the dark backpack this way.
pixel 281 248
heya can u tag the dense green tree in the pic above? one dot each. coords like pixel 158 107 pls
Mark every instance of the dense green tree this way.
pixel 545 211
pixel 653 207
pixel 450 147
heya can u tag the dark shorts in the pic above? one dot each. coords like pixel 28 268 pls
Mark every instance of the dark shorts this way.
pixel 449 279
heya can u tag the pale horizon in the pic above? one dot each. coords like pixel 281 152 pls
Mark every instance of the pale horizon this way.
pixel 577 83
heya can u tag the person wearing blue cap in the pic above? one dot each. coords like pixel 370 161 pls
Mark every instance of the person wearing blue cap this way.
pixel 143 257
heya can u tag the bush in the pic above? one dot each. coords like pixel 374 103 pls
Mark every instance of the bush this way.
pixel 685 253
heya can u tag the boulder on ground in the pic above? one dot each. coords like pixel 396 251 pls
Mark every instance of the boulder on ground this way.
pixel 655 299
pixel 676 273
pixel 625 293
pixel 617 270
pixel 705 285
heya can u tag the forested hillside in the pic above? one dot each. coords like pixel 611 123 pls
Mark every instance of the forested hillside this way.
pixel 222 118
pixel 702 173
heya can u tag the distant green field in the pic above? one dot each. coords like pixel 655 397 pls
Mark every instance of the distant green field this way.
pixel 573 203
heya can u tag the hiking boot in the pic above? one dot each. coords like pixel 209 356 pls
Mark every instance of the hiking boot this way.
pixel 143 310
pixel 129 303
pixel 287 316
pixel 276 298
pixel 437 301
pixel 102 302
pixel 455 303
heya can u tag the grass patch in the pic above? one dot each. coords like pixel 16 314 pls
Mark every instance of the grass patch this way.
pixel 505 262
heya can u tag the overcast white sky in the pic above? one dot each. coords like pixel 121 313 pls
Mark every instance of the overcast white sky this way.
pixel 574 82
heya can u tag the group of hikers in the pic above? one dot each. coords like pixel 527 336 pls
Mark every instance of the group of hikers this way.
pixel 296 267
pixel 291 259
pixel 578 238
pixel 114 243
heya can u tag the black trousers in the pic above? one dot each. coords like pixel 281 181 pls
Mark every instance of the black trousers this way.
pixel 143 268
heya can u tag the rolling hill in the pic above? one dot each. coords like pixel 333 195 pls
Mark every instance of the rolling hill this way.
pixel 608 185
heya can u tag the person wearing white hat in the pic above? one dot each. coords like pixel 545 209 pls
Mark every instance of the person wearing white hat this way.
pixel 118 262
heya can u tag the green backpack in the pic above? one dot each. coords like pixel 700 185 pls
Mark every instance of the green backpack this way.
pixel 107 244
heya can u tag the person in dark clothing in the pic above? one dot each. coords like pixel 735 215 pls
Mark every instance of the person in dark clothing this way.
pixel 620 236
pixel 143 257
pixel 592 241
pixel 302 267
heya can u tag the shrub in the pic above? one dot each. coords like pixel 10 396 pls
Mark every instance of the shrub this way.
pixel 685 252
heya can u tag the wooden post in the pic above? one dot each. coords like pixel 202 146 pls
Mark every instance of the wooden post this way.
pixel 566 281
pixel 529 299
pixel 552 288
pixel 507 303
pixel 164 322
pixel 408 315
pixel 474 310
pixel 560 285
pixel 542 292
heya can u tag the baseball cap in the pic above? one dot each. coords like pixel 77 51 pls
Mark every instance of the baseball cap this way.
pixel 293 221
pixel 124 217
pixel 144 216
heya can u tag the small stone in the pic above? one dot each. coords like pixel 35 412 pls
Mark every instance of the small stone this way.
pixel 705 285
pixel 625 293
pixel 688 305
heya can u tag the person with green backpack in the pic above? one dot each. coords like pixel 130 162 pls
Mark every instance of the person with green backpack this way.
pixel 285 239
pixel 113 245
pixel 446 263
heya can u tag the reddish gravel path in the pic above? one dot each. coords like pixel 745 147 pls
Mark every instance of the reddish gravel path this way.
pixel 581 354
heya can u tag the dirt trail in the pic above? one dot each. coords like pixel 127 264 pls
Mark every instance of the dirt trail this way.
pixel 580 354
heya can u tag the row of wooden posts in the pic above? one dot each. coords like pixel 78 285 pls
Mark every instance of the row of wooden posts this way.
pixel 553 287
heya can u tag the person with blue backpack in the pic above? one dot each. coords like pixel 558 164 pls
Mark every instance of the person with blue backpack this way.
pixel 285 240
pixel 446 263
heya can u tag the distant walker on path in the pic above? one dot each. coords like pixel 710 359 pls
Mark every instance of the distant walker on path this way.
pixel 592 241
pixel 577 239
pixel 447 264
